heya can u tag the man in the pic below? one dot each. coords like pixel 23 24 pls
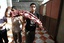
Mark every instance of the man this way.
pixel 27 15
pixel 16 30
pixel 16 22
pixel 30 25
pixel 3 31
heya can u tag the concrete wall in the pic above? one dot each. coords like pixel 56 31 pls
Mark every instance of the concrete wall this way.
pixel 60 37
pixel 25 5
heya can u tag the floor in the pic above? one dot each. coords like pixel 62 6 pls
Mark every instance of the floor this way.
pixel 41 36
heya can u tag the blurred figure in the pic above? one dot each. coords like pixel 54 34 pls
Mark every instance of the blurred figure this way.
pixel 27 15
pixel 9 23
pixel 16 25
pixel 31 25
pixel 3 31
pixel 8 17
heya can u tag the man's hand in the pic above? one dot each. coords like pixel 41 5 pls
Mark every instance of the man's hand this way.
pixel 41 27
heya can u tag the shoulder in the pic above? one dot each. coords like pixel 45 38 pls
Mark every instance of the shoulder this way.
pixel 37 14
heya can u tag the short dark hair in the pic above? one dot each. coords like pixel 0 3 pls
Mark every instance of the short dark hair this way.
pixel 14 7
pixel 32 4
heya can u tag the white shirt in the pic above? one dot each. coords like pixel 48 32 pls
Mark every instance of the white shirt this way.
pixel 9 23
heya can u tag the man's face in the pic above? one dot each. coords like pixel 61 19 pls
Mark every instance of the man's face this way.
pixel 33 7
pixel 13 9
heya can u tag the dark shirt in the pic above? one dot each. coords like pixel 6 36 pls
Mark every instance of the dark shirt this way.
pixel 30 24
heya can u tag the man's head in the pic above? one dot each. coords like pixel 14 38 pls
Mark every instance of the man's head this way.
pixel 14 8
pixel 33 6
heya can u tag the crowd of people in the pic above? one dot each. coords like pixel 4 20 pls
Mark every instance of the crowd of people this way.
pixel 16 19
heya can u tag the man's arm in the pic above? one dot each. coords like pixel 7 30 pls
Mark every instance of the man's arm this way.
pixel 1 25
pixel 29 15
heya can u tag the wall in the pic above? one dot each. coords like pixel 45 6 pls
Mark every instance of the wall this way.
pixel 9 3
pixel 3 4
pixel 60 37
pixel 25 5
pixel 51 17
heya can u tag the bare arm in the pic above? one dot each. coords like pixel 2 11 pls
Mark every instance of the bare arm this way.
pixel 21 22
pixel 1 25
pixel 32 17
